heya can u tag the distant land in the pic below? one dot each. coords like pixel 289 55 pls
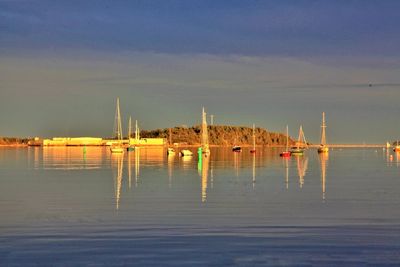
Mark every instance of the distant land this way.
pixel 220 135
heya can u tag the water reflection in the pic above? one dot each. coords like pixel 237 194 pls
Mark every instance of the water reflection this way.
pixel 302 165
pixel 323 160
pixel 286 163
pixel 150 159
pixel 117 163
pixel 204 161
pixel 254 170
pixel 69 158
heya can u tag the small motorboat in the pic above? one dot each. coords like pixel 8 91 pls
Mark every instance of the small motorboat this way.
pixel 296 151
pixel 185 152
pixel 170 151
pixel 237 149
pixel 285 154
pixel 323 149
pixel 117 149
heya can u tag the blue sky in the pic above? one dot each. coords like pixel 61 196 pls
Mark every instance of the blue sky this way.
pixel 62 63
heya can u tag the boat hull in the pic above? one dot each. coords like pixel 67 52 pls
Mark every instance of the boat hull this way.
pixel 323 149
pixel 236 149
pixel 117 150
pixel 186 153
pixel 297 151
pixel 285 154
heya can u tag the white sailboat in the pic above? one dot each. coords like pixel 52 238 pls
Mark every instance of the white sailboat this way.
pixel 301 143
pixel 130 147
pixel 204 134
pixel 117 147
pixel 323 148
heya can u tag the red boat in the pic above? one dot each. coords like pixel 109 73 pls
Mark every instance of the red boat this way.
pixel 285 154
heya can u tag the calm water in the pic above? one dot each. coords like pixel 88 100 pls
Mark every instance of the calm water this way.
pixel 67 207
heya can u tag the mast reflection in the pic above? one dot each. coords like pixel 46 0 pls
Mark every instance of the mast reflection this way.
pixel 323 160
pixel 204 164
pixel 137 165
pixel 302 166
pixel 254 170
pixel 286 160
pixel 117 161
pixel 171 158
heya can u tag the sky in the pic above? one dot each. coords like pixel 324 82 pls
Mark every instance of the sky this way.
pixel 272 63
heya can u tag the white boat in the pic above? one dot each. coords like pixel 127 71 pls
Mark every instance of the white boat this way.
pixel 117 146
pixel 323 148
pixel 130 147
pixel 301 144
pixel 170 151
pixel 185 152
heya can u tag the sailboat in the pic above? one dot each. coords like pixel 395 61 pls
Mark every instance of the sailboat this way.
pixel 323 148
pixel 286 153
pixel 117 147
pixel 254 140
pixel 204 134
pixel 130 148
pixel 301 144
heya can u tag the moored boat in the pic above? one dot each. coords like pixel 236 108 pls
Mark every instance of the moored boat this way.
pixel 170 151
pixel 236 148
pixel 117 147
pixel 323 148
pixel 301 144
pixel 185 152
pixel 286 153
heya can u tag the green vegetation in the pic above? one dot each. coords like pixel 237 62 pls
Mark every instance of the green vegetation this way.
pixel 220 135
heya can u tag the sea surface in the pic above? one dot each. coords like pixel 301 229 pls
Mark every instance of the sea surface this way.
pixel 76 206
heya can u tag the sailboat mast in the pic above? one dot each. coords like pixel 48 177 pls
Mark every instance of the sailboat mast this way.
pixel 129 128
pixel 170 136
pixel 204 133
pixel 287 137
pixel 117 122
pixel 136 131
pixel 254 136
pixel 323 126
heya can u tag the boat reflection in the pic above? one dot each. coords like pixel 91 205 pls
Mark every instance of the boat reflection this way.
pixel 323 160
pixel 286 164
pixel 117 165
pixel 254 170
pixel 302 165
pixel 204 161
